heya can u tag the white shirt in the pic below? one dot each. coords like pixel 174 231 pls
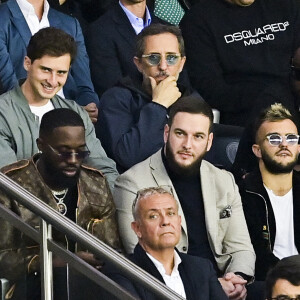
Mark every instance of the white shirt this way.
pixel 173 281
pixel 41 110
pixel 31 18
pixel 284 218
pixel 137 23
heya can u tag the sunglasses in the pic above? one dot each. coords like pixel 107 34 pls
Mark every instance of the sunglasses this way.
pixel 285 297
pixel 296 73
pixel 66 155
pixel 276 139
pixel 154 59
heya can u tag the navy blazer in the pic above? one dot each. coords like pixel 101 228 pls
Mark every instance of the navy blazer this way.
pixel 14 38
pixel 110 43
pixel 197 274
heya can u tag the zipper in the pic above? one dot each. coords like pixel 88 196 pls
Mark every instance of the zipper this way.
pixel 267 217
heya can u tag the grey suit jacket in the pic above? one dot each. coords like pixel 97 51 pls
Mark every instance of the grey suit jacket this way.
pixel 228 237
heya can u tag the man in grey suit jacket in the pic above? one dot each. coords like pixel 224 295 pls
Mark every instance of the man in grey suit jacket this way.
pixel 213 223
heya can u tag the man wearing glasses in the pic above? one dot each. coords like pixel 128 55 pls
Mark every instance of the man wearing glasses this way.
pixel 133 114
pixel 57 176
pixel 49 56
pixel 270 194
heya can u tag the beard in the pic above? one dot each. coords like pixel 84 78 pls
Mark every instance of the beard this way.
pixel 275 167
pixel 62 180
pixel 190 170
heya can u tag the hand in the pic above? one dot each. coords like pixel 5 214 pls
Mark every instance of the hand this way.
pixel 92 110
pixel 166 92
pixel 234 286
pixel 90 259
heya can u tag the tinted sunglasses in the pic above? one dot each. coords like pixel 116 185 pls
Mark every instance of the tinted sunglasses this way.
pixel 66 155
pixel 154 59
pixel 276 139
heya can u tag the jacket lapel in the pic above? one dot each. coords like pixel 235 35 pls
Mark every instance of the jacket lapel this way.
pixel 123 25
pixel 53 19
pixel 209 201
pixel 19 21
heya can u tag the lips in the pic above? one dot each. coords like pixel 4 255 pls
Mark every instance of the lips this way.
pixel 185 154
pixel 48 88
pixel 70 172
pixel 284 153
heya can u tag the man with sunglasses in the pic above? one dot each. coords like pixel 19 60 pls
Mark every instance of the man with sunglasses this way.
pixel 50 53
pixel 271 193
pixel 133 113
pixel 58 177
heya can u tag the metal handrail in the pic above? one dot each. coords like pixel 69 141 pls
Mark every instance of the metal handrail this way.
pixel 81 236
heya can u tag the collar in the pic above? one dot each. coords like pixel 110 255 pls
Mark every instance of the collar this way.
pixel 160 266
pixel 138 24
pixel 28 9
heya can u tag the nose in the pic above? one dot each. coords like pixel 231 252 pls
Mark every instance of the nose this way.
pixel 52 79
pixel 284 142
pixel 165 221
pixel 73 158
pixel 187 142
pixel 163 64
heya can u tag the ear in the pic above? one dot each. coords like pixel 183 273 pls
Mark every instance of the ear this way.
pixel 136 228
pixel 40 144
pixel 166 133
pixel 256 150
pixel 27 63
pixel 182 62
pixel 138 63
pixel 209 141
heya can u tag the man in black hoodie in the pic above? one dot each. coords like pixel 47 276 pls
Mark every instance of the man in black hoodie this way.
pixel 133 114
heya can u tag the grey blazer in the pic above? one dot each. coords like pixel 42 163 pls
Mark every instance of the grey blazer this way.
pixel 228 237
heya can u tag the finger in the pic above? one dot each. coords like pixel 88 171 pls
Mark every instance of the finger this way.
pixel 152 82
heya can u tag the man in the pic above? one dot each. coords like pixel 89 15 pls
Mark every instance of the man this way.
pixel 283 281
pixel 19 20
pixel 238 48
pixel 134 113
pixel 270 194
pixel 110 42
pixel 213 223
pixel 157 226
pixel 49 55
pixel 57 177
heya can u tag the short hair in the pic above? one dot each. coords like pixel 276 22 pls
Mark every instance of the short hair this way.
pixel 147 192
pixel 288 268
pixel 53 42
pixel 59 117
pixel 155 29
pixel 274 113
pixel 193 104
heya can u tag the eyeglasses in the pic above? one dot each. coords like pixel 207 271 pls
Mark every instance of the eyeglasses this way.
pixel 285 297
pixel 276 139
pixel 296 73
pixel 154 59
pixel 65 155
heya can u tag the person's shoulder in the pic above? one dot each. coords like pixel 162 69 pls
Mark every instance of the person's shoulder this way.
pixel 7 100
pixel 106 20
pixel 92 172
pixel 215 171
pixel 63 17
pixel 15 167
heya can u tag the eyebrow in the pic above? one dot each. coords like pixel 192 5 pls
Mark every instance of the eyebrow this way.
pixel 199 132
pixel 50 69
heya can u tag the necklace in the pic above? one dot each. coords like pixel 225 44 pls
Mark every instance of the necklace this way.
pixel 59 197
